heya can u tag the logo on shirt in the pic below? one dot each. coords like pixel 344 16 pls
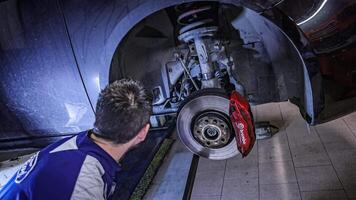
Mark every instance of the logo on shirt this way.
pixel 26 168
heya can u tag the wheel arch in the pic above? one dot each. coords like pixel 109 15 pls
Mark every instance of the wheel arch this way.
pixel 96 65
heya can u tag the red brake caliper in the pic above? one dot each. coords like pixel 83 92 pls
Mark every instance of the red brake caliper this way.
pixel 242 121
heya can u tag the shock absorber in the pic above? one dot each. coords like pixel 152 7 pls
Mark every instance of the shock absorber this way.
pixel 197 27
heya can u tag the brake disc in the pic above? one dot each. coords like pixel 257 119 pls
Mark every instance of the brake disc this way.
pixel 204 127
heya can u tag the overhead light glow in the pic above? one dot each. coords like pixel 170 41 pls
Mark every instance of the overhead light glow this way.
pixel 314 14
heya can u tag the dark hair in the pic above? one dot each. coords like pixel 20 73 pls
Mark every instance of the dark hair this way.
pixel 123 108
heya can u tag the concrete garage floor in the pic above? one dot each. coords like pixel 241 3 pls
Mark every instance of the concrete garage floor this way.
pixel 299 162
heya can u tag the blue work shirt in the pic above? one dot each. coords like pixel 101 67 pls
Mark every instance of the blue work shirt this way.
pixel 72 168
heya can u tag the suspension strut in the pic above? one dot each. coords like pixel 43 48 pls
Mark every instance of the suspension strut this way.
pixel 197 28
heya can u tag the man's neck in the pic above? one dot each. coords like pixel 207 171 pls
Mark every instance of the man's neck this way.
pixel 116 151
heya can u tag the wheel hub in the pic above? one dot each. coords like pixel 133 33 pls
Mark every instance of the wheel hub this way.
pixel 211 129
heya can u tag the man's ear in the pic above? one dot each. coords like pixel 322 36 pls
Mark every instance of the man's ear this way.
pixel 141 136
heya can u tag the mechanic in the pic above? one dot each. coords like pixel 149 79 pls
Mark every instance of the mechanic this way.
pixel 85 166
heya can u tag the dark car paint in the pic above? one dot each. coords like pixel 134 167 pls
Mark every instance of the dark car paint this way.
pixel 55 56
pixel 42 94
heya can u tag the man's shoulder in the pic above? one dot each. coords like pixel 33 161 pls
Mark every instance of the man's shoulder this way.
pixel 59 162
pixel 68 143
pixel 62 155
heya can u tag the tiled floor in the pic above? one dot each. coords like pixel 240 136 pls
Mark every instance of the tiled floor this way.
pixel 299 162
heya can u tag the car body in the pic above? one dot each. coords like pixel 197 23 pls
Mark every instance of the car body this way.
pixel 56 56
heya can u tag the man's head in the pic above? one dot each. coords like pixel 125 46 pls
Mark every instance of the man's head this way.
pixel 122 112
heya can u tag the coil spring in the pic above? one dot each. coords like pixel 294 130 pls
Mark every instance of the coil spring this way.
pixel 196 23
